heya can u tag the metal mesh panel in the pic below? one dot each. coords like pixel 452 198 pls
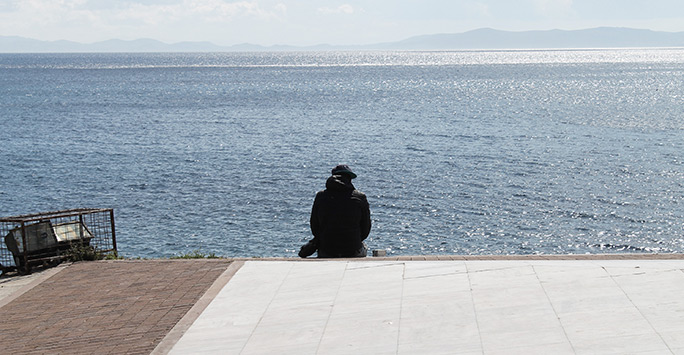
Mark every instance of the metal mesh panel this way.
pixel 35 238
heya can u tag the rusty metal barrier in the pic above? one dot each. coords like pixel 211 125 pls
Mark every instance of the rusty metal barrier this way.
pixel 49 237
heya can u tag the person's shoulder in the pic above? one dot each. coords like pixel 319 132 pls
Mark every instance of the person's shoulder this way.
pixel 359 194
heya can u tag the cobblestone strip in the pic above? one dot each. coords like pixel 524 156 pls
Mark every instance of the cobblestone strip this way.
pixel 108 307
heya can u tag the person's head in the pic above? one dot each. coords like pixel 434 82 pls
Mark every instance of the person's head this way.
pixel 343 170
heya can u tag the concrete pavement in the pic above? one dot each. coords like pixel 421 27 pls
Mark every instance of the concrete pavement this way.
pixel 444 307
pixel 620 304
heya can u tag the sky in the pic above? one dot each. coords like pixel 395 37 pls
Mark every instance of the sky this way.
pixel 309 22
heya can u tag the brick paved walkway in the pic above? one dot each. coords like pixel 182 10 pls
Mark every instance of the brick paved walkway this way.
pixel 105 307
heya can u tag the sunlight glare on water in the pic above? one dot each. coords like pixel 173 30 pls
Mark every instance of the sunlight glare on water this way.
pixel 468 152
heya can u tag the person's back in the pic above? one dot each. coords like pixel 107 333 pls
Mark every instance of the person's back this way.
pixel 340 218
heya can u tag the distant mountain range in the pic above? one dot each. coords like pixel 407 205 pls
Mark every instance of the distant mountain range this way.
pixel 603 37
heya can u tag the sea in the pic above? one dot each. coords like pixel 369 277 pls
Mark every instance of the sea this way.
pixel 512 152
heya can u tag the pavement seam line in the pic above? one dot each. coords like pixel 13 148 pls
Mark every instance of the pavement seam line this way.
pixel 337 294
pixel 401 306
pixel 472 300
pixel 261 318
pixel 177 332
pixel 555 312
pixel 638 309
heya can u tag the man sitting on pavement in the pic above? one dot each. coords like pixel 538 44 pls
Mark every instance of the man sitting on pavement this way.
pixel 340 218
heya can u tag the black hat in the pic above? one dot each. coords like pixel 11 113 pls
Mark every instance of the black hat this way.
pixel 343 169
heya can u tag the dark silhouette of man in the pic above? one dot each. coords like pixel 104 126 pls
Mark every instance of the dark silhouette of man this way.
pixel 340 218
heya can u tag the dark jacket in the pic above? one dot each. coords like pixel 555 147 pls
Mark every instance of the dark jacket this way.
pixel 340 219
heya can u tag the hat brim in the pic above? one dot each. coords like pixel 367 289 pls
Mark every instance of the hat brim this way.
pixel 345 172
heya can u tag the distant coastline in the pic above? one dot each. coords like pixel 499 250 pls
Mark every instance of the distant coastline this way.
pixel 480 39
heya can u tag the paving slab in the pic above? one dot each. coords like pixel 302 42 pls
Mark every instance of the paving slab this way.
pixel 392 306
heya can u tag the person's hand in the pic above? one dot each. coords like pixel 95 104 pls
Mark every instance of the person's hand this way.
pixel 307 249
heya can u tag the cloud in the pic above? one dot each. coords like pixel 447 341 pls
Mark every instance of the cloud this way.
pixel 41 12
pixel 221 9
pixel 150 12
pixel 344 9
pixel 477 9
pixel 91 20
pixel 554 8
pixel 202 10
